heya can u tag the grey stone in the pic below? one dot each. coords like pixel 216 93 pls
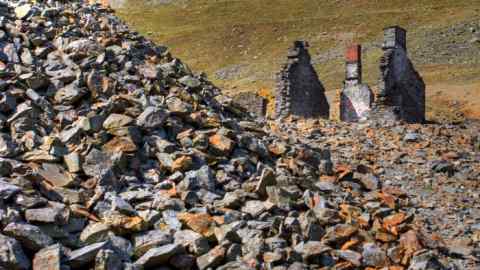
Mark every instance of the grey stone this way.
pixel 7 146
pixel 373 255
pixel 152 117
pixel 7 190
pixel 183 261
pixel 115 120
pixel 48 258
pixel 122 247
pixel 96 163
pixel 56 175
pixel 8 53
pixel 190 81
pixel 252 103
pixel 177 106
pixel 411 137
pixel 151 239
pixel 370 182
pixel 193 242
pixel 23 11
pixel 72 161
pixel 211 259
pixel 267 178
pixel 254 208
pixel 311 249
pixel 69 94
pixel 95 232
pixel 234 252
pixel 50 12
pixel 107 259
pixel 86 255
pixel 29 235
pixel 164 146
pixel 227 232
pixel 201 178
pixel 57 215
pixel 8 102
pixel 351 256
pixel 120 205
pixel 159 256
pixel 425 261
pixel 12 255
pixel 70 133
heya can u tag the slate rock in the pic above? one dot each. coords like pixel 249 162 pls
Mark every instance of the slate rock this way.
pixel 80 257
pixel 95 232
pixel 373 255
pixel 53 214
pixel 151 239
pixel 7 190
pixel 107 259
pixel 192 241
pixel 211 259
pixel 48 258
pixel 12 255
pixel 151 117
pixel 96 163
pixel 159 256
pixel 30 236
pixel 115 120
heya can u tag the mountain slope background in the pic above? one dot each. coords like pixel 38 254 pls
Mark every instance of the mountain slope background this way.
pixel 241 44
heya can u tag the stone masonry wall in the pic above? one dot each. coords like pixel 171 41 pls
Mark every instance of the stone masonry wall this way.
pixel 251 102
pixel 401 89
pixel 299 91
pixel 356 98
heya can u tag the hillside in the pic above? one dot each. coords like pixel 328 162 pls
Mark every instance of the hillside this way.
pixel 241 44
pixel 115 155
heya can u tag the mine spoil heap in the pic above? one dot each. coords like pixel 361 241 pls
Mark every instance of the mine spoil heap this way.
pixel 115 156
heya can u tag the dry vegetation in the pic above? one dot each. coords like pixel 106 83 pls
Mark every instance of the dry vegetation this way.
pixel 214 34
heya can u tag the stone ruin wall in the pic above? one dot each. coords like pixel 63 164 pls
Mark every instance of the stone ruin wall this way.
pixel 299 91
pixel 401 93
pixel 252 103
pixel 356 98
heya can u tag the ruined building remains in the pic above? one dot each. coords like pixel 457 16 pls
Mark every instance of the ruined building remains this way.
pixel 299 91
pixel 252 103
pixel 401 89
pixel 356 98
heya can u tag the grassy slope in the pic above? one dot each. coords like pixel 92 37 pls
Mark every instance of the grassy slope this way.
pixel 213 34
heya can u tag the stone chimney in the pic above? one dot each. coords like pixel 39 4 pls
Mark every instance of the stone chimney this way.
pixel 401 89
pixel 353 67
pixel 394 37
pixel 356 98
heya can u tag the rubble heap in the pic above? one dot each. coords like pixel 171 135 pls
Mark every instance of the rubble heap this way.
pixel 299 92
pixel 434 167
pixel 114 155
pixel 252 103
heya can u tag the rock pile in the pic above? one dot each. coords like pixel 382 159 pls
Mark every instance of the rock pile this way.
pixel 436 167
pixel 114 155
